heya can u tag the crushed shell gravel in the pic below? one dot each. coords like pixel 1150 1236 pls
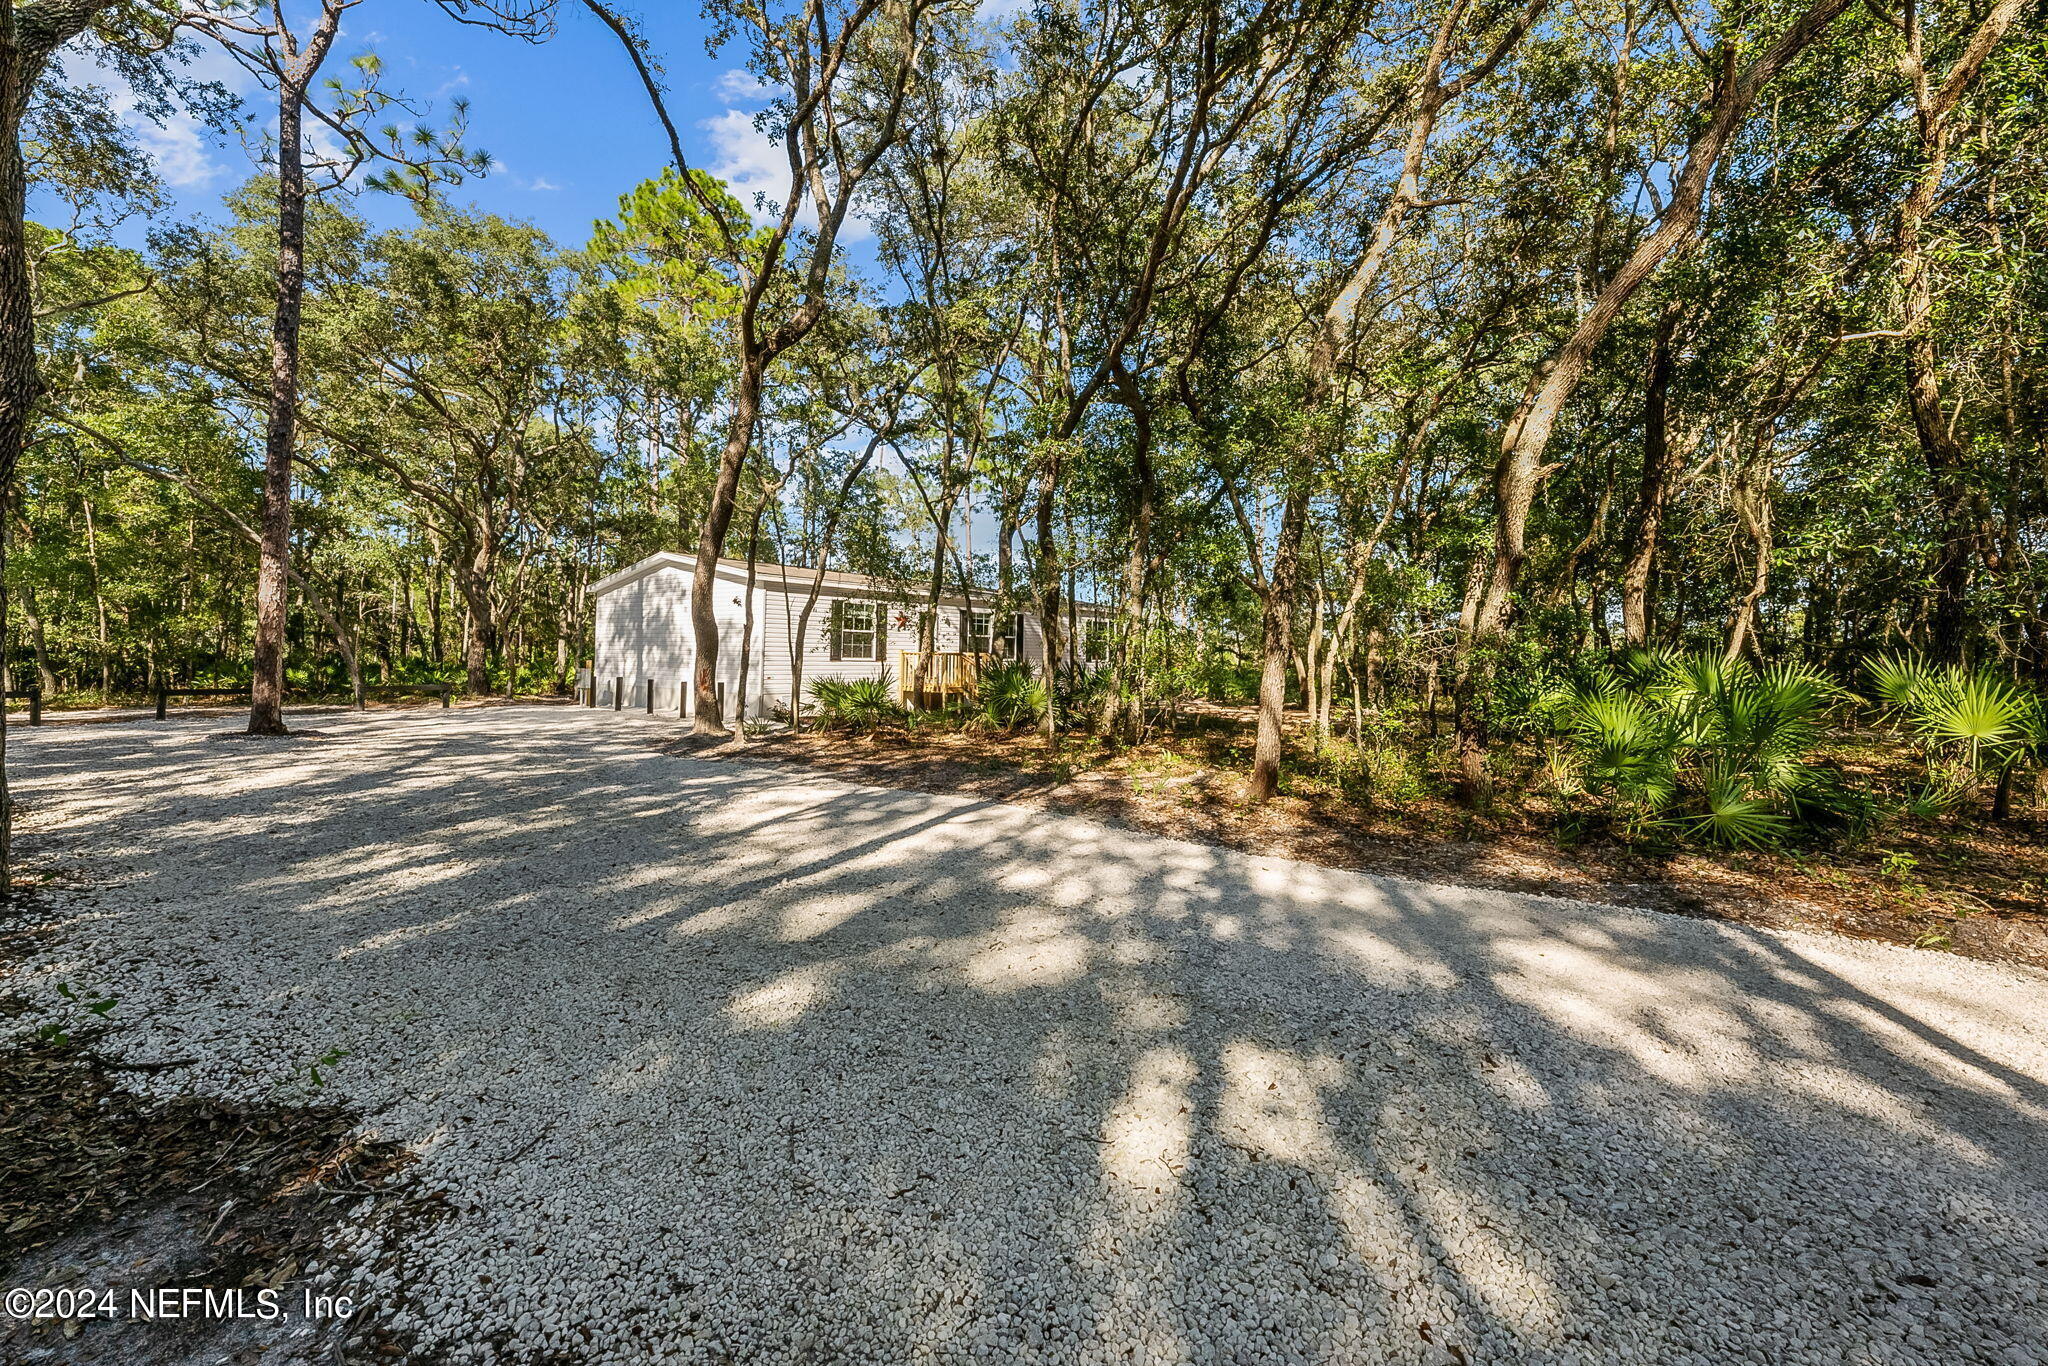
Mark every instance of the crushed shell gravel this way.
pixel 714 1063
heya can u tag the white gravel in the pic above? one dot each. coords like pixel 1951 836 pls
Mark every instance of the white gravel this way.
pixel 720 1063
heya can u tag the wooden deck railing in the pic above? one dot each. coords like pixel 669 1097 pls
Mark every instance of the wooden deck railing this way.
pixel 947 675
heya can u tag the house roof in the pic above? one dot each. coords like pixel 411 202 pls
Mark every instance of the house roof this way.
pixel 793 578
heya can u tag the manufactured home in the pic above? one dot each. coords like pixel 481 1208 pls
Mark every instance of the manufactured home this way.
pixel 859 627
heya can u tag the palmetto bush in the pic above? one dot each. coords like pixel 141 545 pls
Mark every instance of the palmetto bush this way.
pixel 1007 696
pixel 856 703
pixel 1969 723
pixel 1696 746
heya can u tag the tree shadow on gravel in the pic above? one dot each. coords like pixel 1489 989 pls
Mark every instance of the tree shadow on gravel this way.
pixel 106 1195
pixel 797 1070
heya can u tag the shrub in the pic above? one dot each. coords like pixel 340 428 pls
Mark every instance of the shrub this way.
pixel 1379 773
pixel 1699 747
pixel 1226 681
pixel 1081 693
pixel 1969 723
pixel 856 703
pixel 1007 696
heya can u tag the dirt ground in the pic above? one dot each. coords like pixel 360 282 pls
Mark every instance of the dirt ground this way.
pixel 1965 886
pixel 106 1191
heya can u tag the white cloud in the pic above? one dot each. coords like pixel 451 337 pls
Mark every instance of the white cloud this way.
pixel 737 85
pixel 541 184
pixel 749 160
pixel 185 150
pixel 182 149
pixel 756 167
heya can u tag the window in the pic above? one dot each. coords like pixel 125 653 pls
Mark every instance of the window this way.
pixel 1095 640
pixel 981 630
pixel 856 635
pixel 1013 636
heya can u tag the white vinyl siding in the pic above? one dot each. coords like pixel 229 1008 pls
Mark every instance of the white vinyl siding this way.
pixel 643 631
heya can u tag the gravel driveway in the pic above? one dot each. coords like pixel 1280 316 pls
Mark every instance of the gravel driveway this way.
pixel 721 1064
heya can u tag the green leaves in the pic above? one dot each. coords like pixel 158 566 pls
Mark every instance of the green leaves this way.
pixel 1988 719
pixel 1736 818
pixel 1008 695
pixel 1898 680
pixel 1968 721
pixel 858 703
pixel 1723 742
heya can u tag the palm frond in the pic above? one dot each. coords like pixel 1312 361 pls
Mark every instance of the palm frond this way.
pixel 1978 714
pixel 1898 679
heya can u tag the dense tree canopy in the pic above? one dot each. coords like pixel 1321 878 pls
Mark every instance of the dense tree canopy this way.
pixel 1390 359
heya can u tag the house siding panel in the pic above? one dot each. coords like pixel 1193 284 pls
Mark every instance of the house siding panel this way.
pixel 643 631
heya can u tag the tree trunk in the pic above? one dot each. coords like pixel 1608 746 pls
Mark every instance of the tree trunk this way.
pixel 99 602
pixel 739 697
pixel 1659 468
pixel 1947 456
pixel 38 640
pixel 1521 469
pixel 266 696
pixel 6 795
pixel 739 436
pixel 803 616
pixel 28 35
pixel 1375 651
pixel 1045 566
pixel 21 382
pixel 476 659
pixel 1753 509
pixel 408 626
pixel 1276 633
pixel 1123 703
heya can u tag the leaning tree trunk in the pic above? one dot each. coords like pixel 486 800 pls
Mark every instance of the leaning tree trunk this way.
pixel 1521 469
pixel 1947 456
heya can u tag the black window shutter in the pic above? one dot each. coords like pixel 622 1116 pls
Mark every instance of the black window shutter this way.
pixel 966 631
pixel 832 628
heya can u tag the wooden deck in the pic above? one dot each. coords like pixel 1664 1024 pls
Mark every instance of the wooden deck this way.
pixel 948 677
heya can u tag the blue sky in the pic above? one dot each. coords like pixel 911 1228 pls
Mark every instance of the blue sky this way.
pixel 566 121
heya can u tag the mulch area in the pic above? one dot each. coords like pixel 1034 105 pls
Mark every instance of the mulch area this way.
pixel 1964 886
